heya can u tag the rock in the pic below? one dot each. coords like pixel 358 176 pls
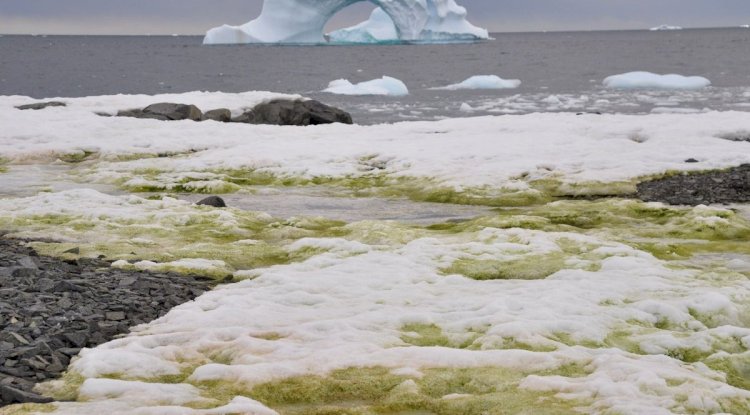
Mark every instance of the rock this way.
pixel 691 160
pixel 220 115
pixel 11 395
pixel 41 105
pixel 165 111
pixel 214 201
pixel 114 315
pixel 46 319
pixel 724 186
pixel 294 112
pixel 74 251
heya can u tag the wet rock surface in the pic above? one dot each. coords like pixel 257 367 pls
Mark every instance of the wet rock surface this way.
pixel 41 105
pixel 276 112
pixel 297 112
pixel 50 309
pixel 727 186
pixel 165 111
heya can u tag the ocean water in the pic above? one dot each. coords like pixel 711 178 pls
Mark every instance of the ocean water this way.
pixel 560 71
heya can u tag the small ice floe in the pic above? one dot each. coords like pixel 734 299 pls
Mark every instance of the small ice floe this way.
pixel 384 86
pixel 465 107
pixel 665 27
pixel 483 82
pixel 648 80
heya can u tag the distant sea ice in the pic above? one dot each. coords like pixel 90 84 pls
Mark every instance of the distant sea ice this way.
pixel 648 80
pixel 384 86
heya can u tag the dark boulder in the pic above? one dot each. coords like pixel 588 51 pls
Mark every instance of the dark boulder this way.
pixel 165 111
pixel 214 201
pixel 294 112
pixel 41 105
pixel 220 115
pixel 11 395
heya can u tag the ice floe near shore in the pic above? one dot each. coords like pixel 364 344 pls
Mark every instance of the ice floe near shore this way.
pixel 648 80
pixel 483 82
pixel 383 86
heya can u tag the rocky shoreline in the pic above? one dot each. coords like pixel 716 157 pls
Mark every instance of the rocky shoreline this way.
pixel 51 308
pixel 700 188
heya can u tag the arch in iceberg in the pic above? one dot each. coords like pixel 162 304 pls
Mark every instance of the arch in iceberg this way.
pixel 303 21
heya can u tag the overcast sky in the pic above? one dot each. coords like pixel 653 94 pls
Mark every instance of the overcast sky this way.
pixel 196 16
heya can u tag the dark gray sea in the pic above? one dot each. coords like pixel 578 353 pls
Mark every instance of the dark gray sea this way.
pixel 560 71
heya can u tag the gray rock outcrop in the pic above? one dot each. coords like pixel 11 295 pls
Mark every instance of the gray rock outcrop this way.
pixel 41 105
pixel 165 111
pixel 294 112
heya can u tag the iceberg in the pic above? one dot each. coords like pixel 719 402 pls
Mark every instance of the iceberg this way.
pixel 483 82
pixel 303 21
pixel 648 80
pixel 665 27
pixel 383 86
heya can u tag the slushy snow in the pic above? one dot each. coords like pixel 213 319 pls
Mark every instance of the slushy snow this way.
pixel 648 80
pixel 484 82
pixel 302 21
pixel 383 86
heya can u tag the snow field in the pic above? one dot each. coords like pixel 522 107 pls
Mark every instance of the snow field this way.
pixel 609 306
pixel 476 160
pixel 399 307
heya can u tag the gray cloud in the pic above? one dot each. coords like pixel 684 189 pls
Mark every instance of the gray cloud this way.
pixel 196 16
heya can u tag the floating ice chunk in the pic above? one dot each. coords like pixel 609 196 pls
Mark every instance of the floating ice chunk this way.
pixel 484 82
pixel 466 108
pixel 665 27
pixel 745 26
pixel 383 86
pixel 302 21
pixel 648 80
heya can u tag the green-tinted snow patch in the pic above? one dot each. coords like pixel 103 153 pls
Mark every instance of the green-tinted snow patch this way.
pixel 430 335
pixel 78 156
pixel 243 240
pixel 27 408
pixel 487 390
pixel 736 367
pixel 529 267
pixel 667 232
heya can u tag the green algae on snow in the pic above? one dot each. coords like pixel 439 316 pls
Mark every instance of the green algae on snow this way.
pixel 241 239
pixel 467 391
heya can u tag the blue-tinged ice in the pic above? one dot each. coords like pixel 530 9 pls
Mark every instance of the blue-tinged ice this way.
pixel 303 21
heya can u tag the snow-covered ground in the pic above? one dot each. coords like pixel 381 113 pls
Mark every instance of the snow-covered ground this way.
pixel 604 306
